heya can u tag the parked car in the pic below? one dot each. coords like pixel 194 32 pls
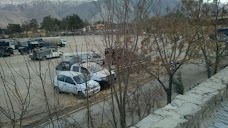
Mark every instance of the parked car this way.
pixel 5 48
pixel 45 53
pixel 223 30
pixel 219 37
pixel 95 72
pixel 23 47
pixel 6 51
pixel 89 56
pixel 63 42
pixel 67 63
pixel 57 41
pixel 75 83
pixel 27 46
pixel 8 42
pixel 123 57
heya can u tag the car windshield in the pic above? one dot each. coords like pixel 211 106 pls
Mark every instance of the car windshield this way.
pixel 222 37
pixel 84 56
pixel 24 43
pixel 79 79
pixel 4 43
pixel 95 68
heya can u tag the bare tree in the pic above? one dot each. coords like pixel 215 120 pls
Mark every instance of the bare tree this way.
pixel 16 99
pixel 205 18
pixel 169 44
pixel 126 22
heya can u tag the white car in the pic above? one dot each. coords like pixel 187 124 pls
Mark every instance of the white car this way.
pixel 45 53
pixel 63 42
pixel 95 72
pixel 75 83
pixel 89 56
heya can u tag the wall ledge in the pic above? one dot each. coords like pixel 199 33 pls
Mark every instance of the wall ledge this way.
pixel 192 108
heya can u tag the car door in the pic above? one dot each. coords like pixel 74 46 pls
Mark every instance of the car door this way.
pixel 61 83
pixel 85 72
pixel 71 85
pixel 55 53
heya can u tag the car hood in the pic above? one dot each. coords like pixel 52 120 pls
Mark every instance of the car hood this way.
pixel 91 84
pixel 21 47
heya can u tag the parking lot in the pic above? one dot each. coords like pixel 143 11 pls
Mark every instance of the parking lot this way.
pixel 22 77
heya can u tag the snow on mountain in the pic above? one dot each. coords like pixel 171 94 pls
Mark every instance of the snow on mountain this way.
pixel 18 11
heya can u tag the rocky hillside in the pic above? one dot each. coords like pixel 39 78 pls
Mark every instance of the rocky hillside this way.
pixel 19 11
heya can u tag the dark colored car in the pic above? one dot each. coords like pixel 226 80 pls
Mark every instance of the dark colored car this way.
pixel 219 37
pixel 5 49
pixel 23 47
pixel 122 56
pixel 27 47
pixel 223 30
pixel 67 63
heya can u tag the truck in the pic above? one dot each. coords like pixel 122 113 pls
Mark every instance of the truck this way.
pixel 45 53
pixel 26 47
pixel 58 41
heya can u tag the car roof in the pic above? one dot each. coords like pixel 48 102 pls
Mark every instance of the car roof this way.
pixel 68 59
pixel 86 64
pixel 69 73
pixel 6 40
pixel 77 53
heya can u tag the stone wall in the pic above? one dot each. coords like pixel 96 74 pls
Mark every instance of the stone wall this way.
pixel 191 109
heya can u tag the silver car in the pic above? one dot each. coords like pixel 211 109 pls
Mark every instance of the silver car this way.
pixel 75 83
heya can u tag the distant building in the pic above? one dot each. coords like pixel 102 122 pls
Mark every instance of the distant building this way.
pixel 100 26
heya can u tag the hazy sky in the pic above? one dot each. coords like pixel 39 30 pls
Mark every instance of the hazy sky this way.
pixel 223 1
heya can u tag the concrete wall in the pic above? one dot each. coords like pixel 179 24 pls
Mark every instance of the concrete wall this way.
pixel 191 109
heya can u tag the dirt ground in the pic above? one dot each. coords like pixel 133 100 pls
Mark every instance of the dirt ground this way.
pixel 19 71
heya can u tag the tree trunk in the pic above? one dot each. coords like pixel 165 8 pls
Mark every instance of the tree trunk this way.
pixel 207 63
pixel 122 116
pixel 216 62
pixel 123 122
pixel 169 90
pixel 169 96
pixel 208 71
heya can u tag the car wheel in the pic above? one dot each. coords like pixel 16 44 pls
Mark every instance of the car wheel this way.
pixel 57 90
pixel 62 45
pixel 104 85
pixel 81 95
pixel 44 58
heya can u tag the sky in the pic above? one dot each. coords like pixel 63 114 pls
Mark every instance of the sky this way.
pixel 222 1
pixel 27 1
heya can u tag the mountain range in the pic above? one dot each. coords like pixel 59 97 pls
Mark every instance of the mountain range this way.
pixel 19 11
